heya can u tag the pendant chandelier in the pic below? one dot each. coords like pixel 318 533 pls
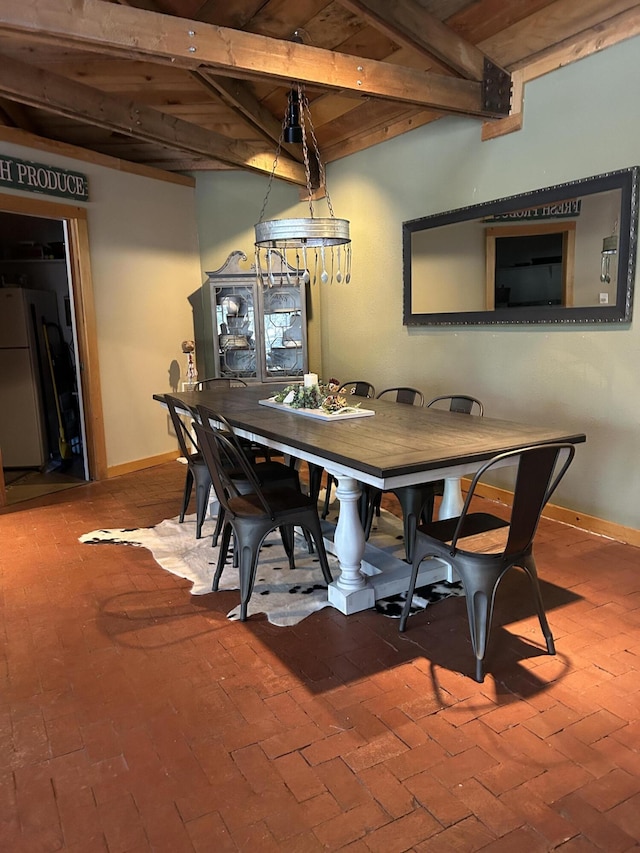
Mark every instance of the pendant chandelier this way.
pixel 312 248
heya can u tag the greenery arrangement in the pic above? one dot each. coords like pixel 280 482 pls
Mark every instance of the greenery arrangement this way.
pixel 320 396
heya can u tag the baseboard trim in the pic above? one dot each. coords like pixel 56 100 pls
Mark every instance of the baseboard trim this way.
pixel 141 464
pixel 590 523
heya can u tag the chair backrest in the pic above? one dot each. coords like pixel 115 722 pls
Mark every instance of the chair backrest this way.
pixel 358 389
pixel 404 394
pixel 219 382
pixel 187 439
pixel 459 403
pixel 538 474
pixel 205 415
pixel 228 467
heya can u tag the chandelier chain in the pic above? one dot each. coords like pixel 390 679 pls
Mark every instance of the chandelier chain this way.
pixel 273 168
pixel 322 178
pixel 303 101
pixel 326 238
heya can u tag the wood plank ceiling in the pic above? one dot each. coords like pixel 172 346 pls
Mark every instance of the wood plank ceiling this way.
pixel 187 85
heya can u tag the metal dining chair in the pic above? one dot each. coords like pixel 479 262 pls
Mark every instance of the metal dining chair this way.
pixel 417 501
pixel 251 447
pixel 269 473
pixel 461 403
pixel 539 470
pixel 372 496
pixel 403 394
pixel 252 513
pixel 219 382
pixel 357 388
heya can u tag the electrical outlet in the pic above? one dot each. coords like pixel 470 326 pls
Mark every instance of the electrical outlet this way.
pixel 604 299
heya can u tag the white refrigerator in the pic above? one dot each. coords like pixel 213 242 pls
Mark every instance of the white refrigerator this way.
pixel 24 376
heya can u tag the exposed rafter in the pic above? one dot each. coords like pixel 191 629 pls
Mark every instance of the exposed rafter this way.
pixel 135 33
pixel 237 95
pixel 180 94
pixel 62 96
pixel 16 115
pixel 409 23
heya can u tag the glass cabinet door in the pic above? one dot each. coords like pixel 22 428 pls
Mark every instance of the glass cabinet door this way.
pixel 236 330
pixel 284 331
pixel 259 328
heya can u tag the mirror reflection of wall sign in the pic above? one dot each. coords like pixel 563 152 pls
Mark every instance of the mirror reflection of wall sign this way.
pixel 570 208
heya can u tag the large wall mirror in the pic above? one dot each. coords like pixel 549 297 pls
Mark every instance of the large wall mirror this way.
pixel 563 254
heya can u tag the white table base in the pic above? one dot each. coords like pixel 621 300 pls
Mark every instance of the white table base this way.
pixel 367 572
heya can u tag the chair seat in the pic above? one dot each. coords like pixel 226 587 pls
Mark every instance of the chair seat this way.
pixel 474 524
pixel 281 500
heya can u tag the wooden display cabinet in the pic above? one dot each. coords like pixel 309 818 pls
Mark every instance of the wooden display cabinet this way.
pixel 259 327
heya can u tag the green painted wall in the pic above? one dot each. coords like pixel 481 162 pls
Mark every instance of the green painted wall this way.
pixel 577 122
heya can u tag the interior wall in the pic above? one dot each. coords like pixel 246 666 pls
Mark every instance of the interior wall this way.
pixel 585 378
pixel 577 123
pixel 144 263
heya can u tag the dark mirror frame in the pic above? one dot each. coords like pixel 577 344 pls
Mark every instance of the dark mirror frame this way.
pixel 625 180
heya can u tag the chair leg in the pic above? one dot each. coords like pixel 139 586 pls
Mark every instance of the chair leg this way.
pixel 327 497
pixel 219 523
pixel 186 496
pixel 413 502
pixel 316 532
pixel 373 498
pixel 478 612
pixel 417 559
pixel 222 555
pixel 480 584
pixel 287 532
pixel 202 502
pixel 529 566
pixel 249 552
pixel 315 480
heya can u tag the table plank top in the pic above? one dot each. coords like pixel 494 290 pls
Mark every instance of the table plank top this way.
pixel 399 440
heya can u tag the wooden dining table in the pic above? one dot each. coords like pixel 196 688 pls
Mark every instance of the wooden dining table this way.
pixel 398 445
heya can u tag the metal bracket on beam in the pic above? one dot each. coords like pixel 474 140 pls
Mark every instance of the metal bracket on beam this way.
pixel 496 89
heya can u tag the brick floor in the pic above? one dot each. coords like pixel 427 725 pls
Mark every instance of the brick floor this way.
pixel 136 718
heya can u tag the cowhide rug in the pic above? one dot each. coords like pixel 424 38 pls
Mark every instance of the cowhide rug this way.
pixel 285 596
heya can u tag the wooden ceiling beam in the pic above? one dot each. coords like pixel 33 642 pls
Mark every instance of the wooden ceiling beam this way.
pixel 237 95
pixel 17 115
pixel 136 33
pixel 409 24
pixel 45 90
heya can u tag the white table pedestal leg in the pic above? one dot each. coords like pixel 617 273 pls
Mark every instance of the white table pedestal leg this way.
pixel 450 507
pixel 350 593
pixel 452 503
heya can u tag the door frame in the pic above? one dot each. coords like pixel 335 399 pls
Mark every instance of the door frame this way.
pixel 81 287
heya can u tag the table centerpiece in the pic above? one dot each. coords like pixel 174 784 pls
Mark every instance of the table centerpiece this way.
pixel 316 399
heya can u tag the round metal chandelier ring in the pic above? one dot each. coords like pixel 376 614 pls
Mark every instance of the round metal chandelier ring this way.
pixel 302 233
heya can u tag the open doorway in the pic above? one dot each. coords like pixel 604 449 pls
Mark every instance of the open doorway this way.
pixel 41 422
pixel 51 433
